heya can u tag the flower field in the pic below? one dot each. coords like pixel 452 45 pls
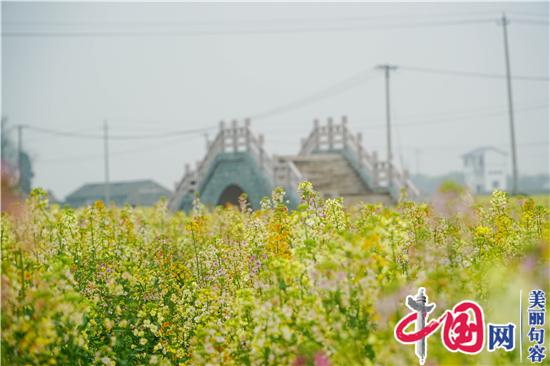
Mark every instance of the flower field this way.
pixel 319 285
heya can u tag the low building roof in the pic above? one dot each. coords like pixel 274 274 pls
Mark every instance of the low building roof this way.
pixel 123 188
pixel 481 150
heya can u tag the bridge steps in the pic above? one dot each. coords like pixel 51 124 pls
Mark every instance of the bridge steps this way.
pixel 333 176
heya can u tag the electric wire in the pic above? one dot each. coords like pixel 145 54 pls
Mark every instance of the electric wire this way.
pixel 117 153
pixel 147 33
pixel 120 137
pixel 472 73
pixel 334 89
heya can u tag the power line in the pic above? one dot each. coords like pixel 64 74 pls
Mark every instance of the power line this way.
pixel 332 90
pixel 301 20
pixel 444 119
pixel 441 119
pixel 359 78
pixel 438 121
pixel 336 88
pixel 525 145
pixel 435 120
pixel 76 131
pixel 468 113
pixel 526 14
pixel 120 137
pixel 146 33
pixel 534 144
pixel 531 21
pixel 116 153
pixel 457 114
pixel 472 73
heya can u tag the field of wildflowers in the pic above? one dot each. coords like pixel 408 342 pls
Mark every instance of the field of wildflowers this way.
pixel 320 285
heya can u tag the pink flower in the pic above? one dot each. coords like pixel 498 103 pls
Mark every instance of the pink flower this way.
pixel 320 359
pixel 299 361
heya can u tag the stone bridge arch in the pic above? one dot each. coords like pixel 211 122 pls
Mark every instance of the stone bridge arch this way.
pixel 230 195
pixel 235 158
pixel 232 174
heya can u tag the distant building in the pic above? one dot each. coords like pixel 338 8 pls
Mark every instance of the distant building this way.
pixel 136 193
pixel 485 169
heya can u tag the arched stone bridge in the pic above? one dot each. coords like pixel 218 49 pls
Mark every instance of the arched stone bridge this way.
pixel 331 157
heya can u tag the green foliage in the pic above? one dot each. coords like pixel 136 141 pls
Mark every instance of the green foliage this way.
pixel 450 186
pixel 321 284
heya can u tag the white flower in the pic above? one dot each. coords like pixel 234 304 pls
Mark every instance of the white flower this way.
pixel 287 335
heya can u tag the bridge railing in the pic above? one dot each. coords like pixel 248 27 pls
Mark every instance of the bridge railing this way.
pixel 286 174
pixel 233 138
pixel 330 137
pixel 185 186
pixel 400 179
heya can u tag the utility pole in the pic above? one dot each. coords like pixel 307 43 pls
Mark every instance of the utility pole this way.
pixel 19 150
pixel 3 142
pixel 504 21
pixel 387 68
pixel 19 147
pixel 107 188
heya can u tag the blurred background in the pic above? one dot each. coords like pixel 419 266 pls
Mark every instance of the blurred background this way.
pixel 131 92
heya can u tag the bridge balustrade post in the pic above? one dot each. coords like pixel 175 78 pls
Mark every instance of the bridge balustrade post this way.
pixel 234 134
pixel 360 151
pixel 198 169
pixel 316 134
pixel 261 143
pixel 222 135
pixel 247 129
pixel 344 132
pixel 399 179
pixel 375 169
pixel 361 154
pixel 288 175
pixel 330 134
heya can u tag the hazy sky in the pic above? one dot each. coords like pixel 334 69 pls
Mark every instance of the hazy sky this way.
pixel 156 68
